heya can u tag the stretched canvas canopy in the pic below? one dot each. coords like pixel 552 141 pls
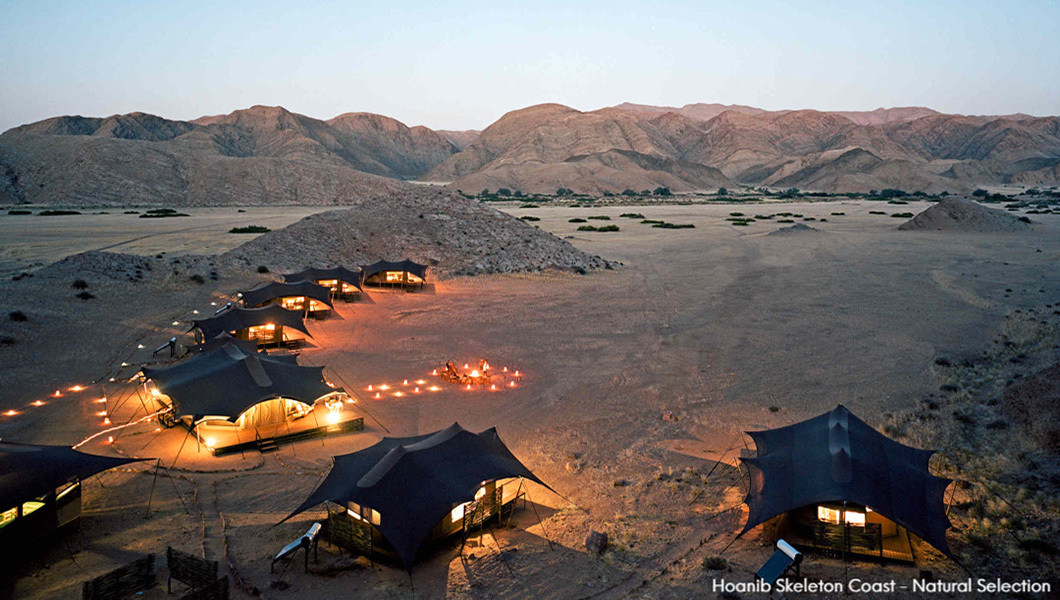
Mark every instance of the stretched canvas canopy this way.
pixel 228 381
pixel 247 346
pixel 413 482
pixel 274 290
pixel 342 274
pixel 837 457
pixel 401 265
pixel 30 471
pixel 237 318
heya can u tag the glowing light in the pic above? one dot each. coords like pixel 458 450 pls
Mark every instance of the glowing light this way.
pixel 399 394
pixel 465 365
pixel 377 396
pixel 38 403
pixel 157 429
pixel 124 364
pixel 10 413
pixel 333 418
pixel 434 388
pixel 176 322
pixel 196 311
pixel 369 387
pixel 110 439
pixel 210 442
pixel 485 365
pixel 270 327
pixel 505 369
pixel 406 382
pixel 101 413
pixel 57 394
pixel 469 386
pixel 76 388
pixel 384 387
pixel 155 392
pixel 106 421
pixel 493 386
pixel 474 373
pixel 213 304
pixel 517 374
pixel 434 372
pixel 101 400
pixel 511 384
pixel 416 391
pixel 112 379
pixel 420 382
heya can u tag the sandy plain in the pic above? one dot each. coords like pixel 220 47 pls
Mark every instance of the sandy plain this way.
pixel 726 328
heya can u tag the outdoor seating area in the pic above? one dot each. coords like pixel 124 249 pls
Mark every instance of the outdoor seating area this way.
pixel 405 274
pixel 345 284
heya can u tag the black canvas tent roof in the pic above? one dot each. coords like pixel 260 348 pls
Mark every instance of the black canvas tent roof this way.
pixel 276 289
pixel 29 471
pixel 237 318
pixel 316 274
pixel 400 265
pixel 837 457
pixel 228 381
pixel 413 482
pixel 248 346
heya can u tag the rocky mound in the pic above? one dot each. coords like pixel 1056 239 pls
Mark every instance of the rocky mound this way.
pixel 454 235
pixel 957 214
pixel 796 228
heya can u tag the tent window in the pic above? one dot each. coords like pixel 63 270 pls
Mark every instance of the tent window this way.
pixel 63 491
pixel 458 513
pixel 395 276
pixel 293 302
pixel 271 412
pixel 7 516
pixel 31 506
pixel 831 515
pixel 363 513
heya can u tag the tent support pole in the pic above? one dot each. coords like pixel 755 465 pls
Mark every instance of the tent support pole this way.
pixel 500 551
pixel 181 447
pixel 151 496
pixel 539 522
pixel 287 422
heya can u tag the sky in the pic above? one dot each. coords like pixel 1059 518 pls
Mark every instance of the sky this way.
pixel 463 64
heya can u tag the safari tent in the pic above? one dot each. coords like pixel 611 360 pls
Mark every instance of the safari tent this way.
pixel 393 497
pixel 344 283
pixel 311 299
pixel 271 325
pixel 833 483
pixel 233 400
pixel 40 488
pixel 403 273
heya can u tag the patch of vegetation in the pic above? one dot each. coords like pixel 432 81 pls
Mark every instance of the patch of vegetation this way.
pixel 17 316
pixel 199 279
pixel 561 192
pixel 529 218
pixel 785 220
pixel 665 225
pixel 577 220
pixel 7 341
pixel 86 296
pixel 529 206
pixel 736 214
pixel 57 213
pixel 600 218
pixel 763 217
pixel 876 212
pixel 131 212
pixel 661 191
pixel 774 409
pixel 20 212
pixel 263 269
pixel 651 222
pixel 903 215
pixel 715 563
pixel 250 229
pixel 162 213
pixel 632 215
pixel 838 214
pixel 602 228
pixel 79 284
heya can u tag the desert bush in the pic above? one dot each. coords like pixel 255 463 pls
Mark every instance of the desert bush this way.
pixel 20 212
pixel 876 212
pixel 263 269
pixel 736 214
pixel 529 218
pixel 650 222
pixel 199 279
pixel 131 212
pixel 576 220
pixel 838 214
pixel 628 192
pixel 162 213
pixel 632 215
pixel 79 284
pixel 57 213
pixel 17 315
pixel 785 220
pixel 250 229
pixel 85 296
pixel 763 217
pixel 599 218
pixel 661 191
pixel 665 225
pixel 529 206
pixel 774 409
pixel 903 215
pixel 715 563
pixel 604 228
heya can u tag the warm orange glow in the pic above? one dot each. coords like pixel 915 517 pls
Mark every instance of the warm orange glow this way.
pixel 517 374
pixel 210 442
pixel 469 386
pixel 38 403
pixel 416 391
pixel 270 327
pixel 155 392
pixel 505 369
pixel 57 394
pixel 465 365
pixel 333 418
pixel 384 387
pixel 110 439
pixel 369 387
pixel 76 388
pixel 10 413
pixel 493 386
pixel 485 366
pixel 434 372
pixel 434 388
pixel 474 373
pixel 101 400
pixel 406 382
pixel 511 384
pixel 420 382
pixel 399 394
pixel 377 396
pixel 106 421
pixel 101 413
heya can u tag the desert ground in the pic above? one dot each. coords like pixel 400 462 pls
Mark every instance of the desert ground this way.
pixel 720 328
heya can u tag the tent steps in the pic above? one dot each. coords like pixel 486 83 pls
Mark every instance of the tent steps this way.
pixel 267 445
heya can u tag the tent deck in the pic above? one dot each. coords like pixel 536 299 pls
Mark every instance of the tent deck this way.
pixel 282 433
pixel 891 547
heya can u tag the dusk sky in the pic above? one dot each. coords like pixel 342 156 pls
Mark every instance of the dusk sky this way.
pixel 461 65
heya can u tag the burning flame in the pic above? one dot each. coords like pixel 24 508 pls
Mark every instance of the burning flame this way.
pixel 10 413
pixel 110 439
pixel 384 387
pixel 474 373
pixel 493 386
pixel 38 403
pixel 420 382
pixel 416 391
pixel 505 369
pixel 369 387
pixel 434 372
pixel 399 394
pixel 101 400
pixel 106 421
pixel 469 386
pixel 511 384
pixel 434 388
pixel 76 388
pixel 101 413
pixel 377 396
pixel 57 394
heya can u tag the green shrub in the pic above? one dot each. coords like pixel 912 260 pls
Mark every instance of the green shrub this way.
pixel 651 222
pixel 529 218
pixel 600 218
pixel 876 212
pixel 632 215
pixel 736 214
pixel 57 213
pixel 576 220
pixel 665 225
pixel 263 269
pixel 715 563
pixel 529 206
pixel 20 212
pixel 604 228
pixel 838 214
pixel 785 220
pixel 903 215
pixel 249 229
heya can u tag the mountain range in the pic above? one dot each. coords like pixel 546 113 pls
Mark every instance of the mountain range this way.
pixel 269 155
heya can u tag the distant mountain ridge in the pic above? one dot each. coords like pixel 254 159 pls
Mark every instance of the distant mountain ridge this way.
pixel 269 155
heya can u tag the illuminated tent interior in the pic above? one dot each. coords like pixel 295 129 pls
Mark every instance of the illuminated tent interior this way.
pixel 265 325
pixel 395 273
pixel 835 484
pixel 401 492
pixel 305 296
pixel 221 339
pixel 40 487
pixel 343 283
pixel 227 392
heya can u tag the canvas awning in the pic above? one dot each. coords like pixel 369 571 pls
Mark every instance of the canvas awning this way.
pixel 237 318
pixel 342 274
pixel 29 471
pixel 837 457
pixel 413 482
pixel 401 265
pixel 248 346
pixel 274 290
pixel 228 381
